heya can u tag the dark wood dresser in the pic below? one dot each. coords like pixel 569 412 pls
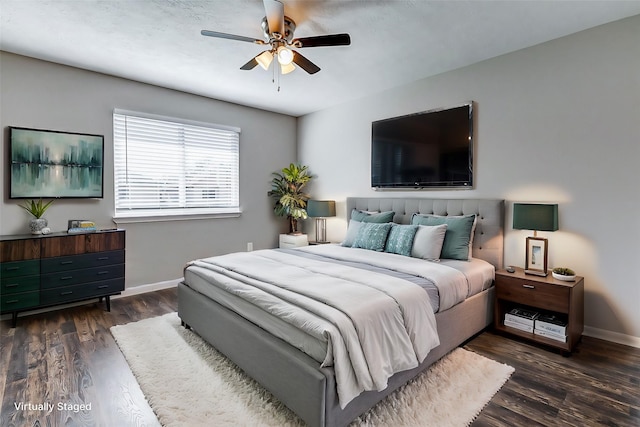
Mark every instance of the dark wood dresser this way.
pixel 58 268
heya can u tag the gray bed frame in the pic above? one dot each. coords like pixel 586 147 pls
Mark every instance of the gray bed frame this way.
pixel 296 379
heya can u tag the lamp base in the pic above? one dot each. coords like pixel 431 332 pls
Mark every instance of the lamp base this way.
pixel 536 273
pixel 321 230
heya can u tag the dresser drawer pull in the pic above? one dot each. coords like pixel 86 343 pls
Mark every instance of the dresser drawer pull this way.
pixel 13 301
pixel 66 293
pixel 103 286
pixel 66 278
pixel 66 262
pixel 100 273
pixel 103 258
pixel 528 286
pixel 13 268
pixel 13 285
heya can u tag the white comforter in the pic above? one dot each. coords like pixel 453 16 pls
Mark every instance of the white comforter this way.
pixel 375 325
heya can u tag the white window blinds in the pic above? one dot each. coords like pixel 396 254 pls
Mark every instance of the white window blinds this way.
pixel 165 166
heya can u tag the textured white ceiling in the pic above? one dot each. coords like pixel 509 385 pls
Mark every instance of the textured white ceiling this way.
pixel 393 42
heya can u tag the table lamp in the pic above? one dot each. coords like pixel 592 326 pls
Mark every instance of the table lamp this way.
pixel 536 217
pixel 320 210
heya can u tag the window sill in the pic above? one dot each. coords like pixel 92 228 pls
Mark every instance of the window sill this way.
pixel 147 216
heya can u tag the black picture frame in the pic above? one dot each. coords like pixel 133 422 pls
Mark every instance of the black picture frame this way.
pixel 48 164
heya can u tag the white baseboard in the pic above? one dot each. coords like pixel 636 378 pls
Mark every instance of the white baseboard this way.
pixel 612 336
pixel 143 289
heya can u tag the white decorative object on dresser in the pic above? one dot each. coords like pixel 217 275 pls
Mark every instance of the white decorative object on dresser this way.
pixel 293 240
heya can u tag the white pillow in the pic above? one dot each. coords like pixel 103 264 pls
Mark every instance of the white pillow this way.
pixel 473 229
pixel 427 244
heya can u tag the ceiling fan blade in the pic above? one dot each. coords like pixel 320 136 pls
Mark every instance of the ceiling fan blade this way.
pixel 230 36
pixel 305 64
pixel 275 15
pixel 250 65
pixel 328 40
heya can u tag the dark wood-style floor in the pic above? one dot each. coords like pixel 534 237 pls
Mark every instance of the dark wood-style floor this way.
pixel 69 356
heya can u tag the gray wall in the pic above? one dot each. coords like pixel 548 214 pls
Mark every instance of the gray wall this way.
pixel 44 95
pixel 557 122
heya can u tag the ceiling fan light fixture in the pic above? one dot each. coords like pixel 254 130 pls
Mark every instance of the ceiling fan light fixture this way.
pixel 287 68
pixel 264 59
pixel 285 55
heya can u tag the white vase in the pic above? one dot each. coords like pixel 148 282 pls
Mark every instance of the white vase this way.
pixel 37 224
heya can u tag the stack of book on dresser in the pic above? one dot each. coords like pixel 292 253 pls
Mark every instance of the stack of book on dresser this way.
pixel 76 226
pixel 547 325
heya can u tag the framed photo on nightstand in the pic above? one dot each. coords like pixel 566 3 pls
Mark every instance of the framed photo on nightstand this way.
pixel 536 262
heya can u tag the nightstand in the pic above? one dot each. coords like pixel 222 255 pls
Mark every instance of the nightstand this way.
pixel 293 240
pixel 546 294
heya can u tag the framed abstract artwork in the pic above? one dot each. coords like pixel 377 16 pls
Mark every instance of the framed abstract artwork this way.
pixel 55 164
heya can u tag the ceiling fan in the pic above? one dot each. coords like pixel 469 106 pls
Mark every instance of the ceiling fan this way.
pixel 278 32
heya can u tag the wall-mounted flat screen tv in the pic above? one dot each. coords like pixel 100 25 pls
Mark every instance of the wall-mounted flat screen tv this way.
pixel 54 164
pixel 430 149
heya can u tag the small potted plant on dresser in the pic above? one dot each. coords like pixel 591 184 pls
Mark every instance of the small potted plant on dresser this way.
pixel 37 224
pixel 564 274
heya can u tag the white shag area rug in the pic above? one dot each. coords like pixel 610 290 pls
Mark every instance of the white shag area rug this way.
pixel 188 383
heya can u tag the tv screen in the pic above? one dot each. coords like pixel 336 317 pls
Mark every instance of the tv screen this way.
pixel 53 164
pixel 428 149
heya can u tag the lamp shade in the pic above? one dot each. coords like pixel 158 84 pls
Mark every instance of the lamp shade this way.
pixel 321 208
pixel 533 216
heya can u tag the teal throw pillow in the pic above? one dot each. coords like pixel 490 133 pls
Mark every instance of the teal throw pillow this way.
pixel 457 238
pixel 352 233
pixel 400 240
pixel 372 236
pixel 380 217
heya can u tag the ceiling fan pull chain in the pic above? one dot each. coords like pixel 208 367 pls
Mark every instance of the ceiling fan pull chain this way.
pixel 276 70
pixel 273 74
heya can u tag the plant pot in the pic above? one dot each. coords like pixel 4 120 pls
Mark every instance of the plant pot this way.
pixel 563 277
pixel 37 224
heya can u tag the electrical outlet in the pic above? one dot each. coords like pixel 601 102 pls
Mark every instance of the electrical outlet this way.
pixel 249 246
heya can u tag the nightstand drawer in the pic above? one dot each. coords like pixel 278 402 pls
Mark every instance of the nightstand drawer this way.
pixel 534 293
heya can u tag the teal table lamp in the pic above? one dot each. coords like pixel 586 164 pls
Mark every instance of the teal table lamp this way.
pixel 321 209
pixel 536 217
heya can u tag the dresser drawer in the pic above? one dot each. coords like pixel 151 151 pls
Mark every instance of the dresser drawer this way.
pixel 534 293
pixel 15 285
pixel 19 301
pixel 82 291
pixel 19 268
pixel 73 277
pixel 76 262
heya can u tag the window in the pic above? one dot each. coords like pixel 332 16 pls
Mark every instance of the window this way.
pixel 170 167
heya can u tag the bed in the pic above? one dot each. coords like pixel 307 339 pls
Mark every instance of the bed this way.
pixel 288 364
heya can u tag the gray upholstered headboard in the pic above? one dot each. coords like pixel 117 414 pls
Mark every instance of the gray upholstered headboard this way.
pixel 488 240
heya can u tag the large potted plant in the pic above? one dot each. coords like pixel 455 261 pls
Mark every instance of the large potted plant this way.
pixel 287 190
pixel 37 209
